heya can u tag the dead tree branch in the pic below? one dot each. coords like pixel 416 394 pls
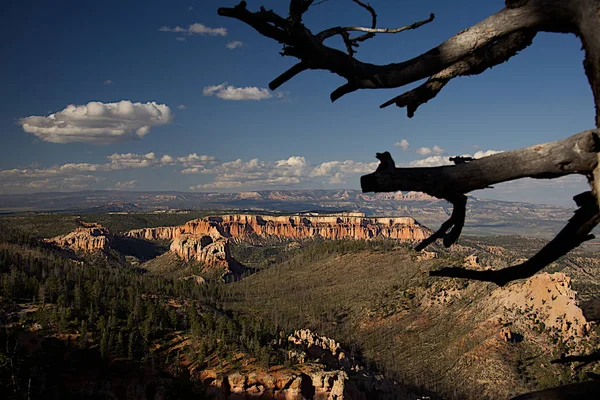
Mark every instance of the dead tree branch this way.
pixel 572 235
pixel 478 62
pixel 473 50
pixel 573 155
pixel 300 42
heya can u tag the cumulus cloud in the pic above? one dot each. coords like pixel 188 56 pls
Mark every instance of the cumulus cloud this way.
pixel 98 123
pixel 72 176
pixel 436 161
pixel 403 144
pixel 180 39
pixel 280 174
pixel 234 45
pixel 131 160
pixel 425 151
pixel 481 154
pixel 108 82
pixel 433 161
pixel 182 106
pixel 125 185
pixel 228 92
pixel 196 29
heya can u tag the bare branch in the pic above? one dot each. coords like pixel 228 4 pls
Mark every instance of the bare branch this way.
pixel 353 42
pixel 371 11
pixel 573 155
pixel 297 8
pixel 287 75
pixel 334 31
pixel 537 15
pixel 487 57
pixel 450 230
pixel 572 235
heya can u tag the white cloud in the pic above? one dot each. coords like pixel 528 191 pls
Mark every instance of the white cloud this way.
pixel 125 185
pixel 131 160
pixel 196 29
pixel 108 82
pixel 279 174
pixel 228 92
pixel 436 161
pixel 116 162
pixel 425 151
pixel 98 123
pixel 403 144
pixel 180 39
pixel 234 45
pixel 433 161
pixel 481 154
pixel 182 106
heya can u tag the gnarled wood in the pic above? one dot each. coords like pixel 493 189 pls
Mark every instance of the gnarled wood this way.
pixel 573 155
pixel 572 235
pixel 487 43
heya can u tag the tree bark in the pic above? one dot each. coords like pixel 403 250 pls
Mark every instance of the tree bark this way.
pixel 573 155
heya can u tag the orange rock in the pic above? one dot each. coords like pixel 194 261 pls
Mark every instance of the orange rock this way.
pixel 343 226
pixel 87 238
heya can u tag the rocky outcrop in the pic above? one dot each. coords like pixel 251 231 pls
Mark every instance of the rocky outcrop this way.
pixel 333 227
pixel 549 301
pixel 207 240
pixel 306 382
pixel 322 371
pixel 85 239
pixel 202 248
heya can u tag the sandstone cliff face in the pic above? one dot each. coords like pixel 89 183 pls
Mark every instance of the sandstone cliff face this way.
pixel 293 227
pixel 207 239
pixel 87 238
pixel 202 248
pixel 548 299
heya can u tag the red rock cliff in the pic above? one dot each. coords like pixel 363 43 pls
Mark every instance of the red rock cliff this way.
pixel 295 227
pixel 86 238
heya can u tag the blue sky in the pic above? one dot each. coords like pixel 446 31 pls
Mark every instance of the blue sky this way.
pixel 140 104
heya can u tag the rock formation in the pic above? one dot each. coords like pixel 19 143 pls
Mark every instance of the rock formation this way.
pixel 207 240
pixel 202 248
pixel 86 238
pixel 343 226
pixel 547 299
pixel 322 371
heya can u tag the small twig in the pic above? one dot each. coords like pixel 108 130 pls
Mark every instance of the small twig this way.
pixel 369 35
pixel 338 30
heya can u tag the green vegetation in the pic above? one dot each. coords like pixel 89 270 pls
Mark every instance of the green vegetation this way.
pixel 132 311
pixel 113 313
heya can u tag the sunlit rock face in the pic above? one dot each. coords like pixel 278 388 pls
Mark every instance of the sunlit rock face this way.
pixel 334 227
pixel 202 248
pixel 85 239
pixel 207 239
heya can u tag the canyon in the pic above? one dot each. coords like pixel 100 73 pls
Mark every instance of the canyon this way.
pixel 206 240
pixel 334 227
